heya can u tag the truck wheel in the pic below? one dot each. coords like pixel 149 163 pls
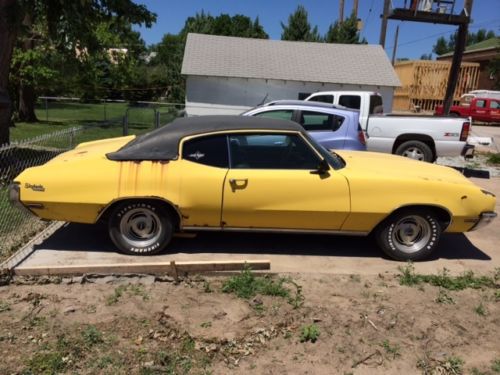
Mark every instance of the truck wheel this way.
pixel 409 234
pixel 417 150
pixel 140 228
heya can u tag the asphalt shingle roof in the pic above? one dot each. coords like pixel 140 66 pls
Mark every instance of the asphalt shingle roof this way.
pixel 492 43
pixel 222 56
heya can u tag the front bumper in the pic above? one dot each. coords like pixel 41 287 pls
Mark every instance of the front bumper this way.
pixel 468 151
pixel 484 219
pixel 15 197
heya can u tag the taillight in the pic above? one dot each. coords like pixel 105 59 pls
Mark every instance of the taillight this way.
pixel 465 131
pixel 361 136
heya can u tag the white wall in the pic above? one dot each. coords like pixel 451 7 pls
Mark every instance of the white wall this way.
pixel 215 95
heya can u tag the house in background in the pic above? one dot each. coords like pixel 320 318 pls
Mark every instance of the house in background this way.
pixel 482 53
pixel 227 75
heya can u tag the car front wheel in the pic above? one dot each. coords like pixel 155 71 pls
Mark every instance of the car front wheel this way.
pixel 409 234
pixel 140 228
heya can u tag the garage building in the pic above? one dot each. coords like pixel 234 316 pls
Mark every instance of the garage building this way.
pixel 227 75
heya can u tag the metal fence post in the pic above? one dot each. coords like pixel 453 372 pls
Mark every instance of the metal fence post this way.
pixel 46 109
pixel 71 138
pixel 125 123
pixel 157 119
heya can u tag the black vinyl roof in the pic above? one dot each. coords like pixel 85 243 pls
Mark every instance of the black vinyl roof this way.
pixel 163 143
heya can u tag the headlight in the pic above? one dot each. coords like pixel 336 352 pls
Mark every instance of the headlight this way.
pixel 486 192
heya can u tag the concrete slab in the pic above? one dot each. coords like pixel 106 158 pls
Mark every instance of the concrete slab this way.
pixel 78 245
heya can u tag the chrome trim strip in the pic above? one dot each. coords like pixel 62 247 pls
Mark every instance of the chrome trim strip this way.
pixel 274 230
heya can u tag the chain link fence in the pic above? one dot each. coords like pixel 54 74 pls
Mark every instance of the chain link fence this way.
pixel 18 226
pixel 80 122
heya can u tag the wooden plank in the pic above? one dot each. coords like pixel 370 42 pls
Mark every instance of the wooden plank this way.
pixel 149 268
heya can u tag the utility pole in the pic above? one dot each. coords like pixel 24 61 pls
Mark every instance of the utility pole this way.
pixel 341 11
pixel 395 46
pixel 355 8
pixel 457 59
pixel 383 30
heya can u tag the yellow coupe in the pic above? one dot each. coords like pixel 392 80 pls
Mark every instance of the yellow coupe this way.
pixel 232 173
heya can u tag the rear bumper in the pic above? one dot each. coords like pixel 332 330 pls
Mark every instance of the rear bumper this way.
pixel 468 151
pixel 484 219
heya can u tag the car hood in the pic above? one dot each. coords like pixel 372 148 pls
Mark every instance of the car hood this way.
pixel 377 165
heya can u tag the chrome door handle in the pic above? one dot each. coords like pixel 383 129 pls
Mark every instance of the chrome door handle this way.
pixel 238 183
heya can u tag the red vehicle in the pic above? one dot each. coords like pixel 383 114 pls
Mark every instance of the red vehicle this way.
pixel 480 109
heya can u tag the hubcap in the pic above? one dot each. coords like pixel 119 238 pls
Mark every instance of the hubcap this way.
pixel 414 153
pixel 141 227
pixel 411 234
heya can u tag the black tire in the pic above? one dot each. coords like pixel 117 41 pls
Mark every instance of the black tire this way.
pixel 411 234
pixel 417 150
pixel 140 228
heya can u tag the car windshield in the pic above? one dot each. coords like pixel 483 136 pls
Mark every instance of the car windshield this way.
pixel 331 157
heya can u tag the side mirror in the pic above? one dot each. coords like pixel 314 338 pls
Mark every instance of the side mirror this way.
pixel 323 168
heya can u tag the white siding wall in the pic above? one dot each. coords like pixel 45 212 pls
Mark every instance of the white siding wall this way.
pixel 215 95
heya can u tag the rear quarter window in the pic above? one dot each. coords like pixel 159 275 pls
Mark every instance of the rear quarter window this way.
pixel 210 150
pixel 376 105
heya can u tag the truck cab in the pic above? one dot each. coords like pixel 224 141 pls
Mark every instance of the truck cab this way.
pixel 480 109
pixel 368 103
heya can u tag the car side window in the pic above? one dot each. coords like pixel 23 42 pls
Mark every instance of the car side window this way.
pixel 318 121
pixel 494 104
pixel 322 99
pixel 350 101
pixel 279 114
pixel 271 151
pixel 480 103
pixel 209 150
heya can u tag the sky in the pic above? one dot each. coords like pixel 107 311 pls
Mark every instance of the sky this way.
pixel 415 38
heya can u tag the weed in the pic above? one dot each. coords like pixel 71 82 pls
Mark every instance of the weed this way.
pixel 393 350
pixel 206 325
pixel 495 366
pixel 309 333
pixel 444 298
pixel 4 306
pixel 188 345
pixel 207 287
pixel 117 294
pixel 454 365
pixel 494 158
pixel 496 295
pixel 104 362
pixel 355 278
pixel 247 285
pixel 92 336
pixel 481 310
pixel 138 290
pixel 476 371
pixel 466 280
pixel 46 363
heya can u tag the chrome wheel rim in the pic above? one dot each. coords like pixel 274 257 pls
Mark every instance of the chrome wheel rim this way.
pixel 140 227
pixel 411 234
pixel 414 153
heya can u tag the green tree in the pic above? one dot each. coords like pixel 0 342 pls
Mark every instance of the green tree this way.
pixel 70 26
pixel 299 28
pixel 345 32
pixel 444 45
pixel 426 56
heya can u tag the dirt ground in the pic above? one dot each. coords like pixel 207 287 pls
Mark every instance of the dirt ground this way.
pixel 139 325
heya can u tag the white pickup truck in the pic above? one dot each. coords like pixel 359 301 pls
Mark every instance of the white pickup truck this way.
pixel 419 137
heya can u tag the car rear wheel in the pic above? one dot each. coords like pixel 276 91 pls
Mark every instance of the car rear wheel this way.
pixel 415 150
pixel 140 228
pixel 409 234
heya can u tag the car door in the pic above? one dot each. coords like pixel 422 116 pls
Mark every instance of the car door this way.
pixel 494 111
pixel 325 128
pixel 273 183
pixel 479 111
pixel 203 166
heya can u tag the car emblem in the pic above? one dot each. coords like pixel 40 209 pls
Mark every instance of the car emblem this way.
pixel 197 155
pixel 34 187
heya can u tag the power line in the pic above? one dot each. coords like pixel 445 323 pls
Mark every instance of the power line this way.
pixel 444 33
